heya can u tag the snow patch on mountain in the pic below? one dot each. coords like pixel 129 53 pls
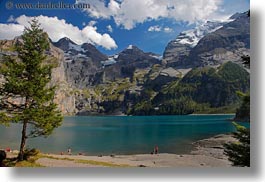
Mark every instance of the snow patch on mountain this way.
pixel 193 36
pixel 76 47
pixel 130 47
pixel 159 57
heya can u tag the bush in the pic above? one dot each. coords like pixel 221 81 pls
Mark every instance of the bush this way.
pixel 30 153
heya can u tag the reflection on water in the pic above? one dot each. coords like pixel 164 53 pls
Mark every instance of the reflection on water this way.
pixel 124 135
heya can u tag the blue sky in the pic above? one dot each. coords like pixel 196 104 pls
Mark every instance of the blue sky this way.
pixel 112 25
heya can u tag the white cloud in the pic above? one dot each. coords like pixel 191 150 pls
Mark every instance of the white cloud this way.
pixel 155 28
pixel 10 31
pixel 58 29
pixel 98 9
pixel 90 34
pixel 168 30
pixel 11 18
pixel 139 11
pixel 109 28
pixel 128 13
pixel 92 23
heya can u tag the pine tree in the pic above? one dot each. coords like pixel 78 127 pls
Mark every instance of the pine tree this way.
pixel 26 95
pixel 239 152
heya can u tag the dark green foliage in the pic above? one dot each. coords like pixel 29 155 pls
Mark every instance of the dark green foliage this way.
pixel 142 109
pixel 182 105
pixel 26 96
pixel 216 87
pixel 243 112
pixel 246 61
pixel 239 152
pixel 201 90
pixel 110 106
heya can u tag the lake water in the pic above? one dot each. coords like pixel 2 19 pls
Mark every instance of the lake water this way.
pixel 94 135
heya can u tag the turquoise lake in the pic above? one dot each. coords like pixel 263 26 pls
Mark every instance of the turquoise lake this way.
pixel 94 135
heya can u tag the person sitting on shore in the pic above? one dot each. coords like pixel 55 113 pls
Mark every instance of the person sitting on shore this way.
pixel 2 158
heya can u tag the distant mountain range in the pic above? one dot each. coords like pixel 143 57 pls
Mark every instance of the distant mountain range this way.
pixel 200 71
pixel 85 64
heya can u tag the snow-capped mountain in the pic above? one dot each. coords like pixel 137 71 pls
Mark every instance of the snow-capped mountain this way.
pixel 73 51
pixel 85 64
pixel 209 43
pixel 81 62
pixel 180 47
pixel 192 37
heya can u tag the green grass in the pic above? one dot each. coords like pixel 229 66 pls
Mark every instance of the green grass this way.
pixel 91 162
pixel 99 163
pixel 27 164
pixel 31 162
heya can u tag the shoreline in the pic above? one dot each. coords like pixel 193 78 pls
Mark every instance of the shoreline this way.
pixel 123 115
pixel 212 114
pixel 206 153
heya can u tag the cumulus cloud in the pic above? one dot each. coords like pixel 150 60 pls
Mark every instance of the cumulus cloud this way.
pixel 11 18
pixel 109 28
pixel 10 31
pixel 155 28
pixel 128 13
pixel 90 34
pixel 58 29
pixel 168 30
pixel 99 9
pixel 92 23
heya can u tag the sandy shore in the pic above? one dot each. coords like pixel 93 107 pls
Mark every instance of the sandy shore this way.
pixel 207 153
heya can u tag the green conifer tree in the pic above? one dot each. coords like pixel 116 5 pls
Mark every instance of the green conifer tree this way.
pixel 239 152
pixel 26 95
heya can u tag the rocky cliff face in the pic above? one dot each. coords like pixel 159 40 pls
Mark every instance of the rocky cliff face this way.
pixel 64 96
pixel 82 63
pixel 85 66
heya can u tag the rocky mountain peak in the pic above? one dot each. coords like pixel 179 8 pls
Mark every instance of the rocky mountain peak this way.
pixel 85 51
pixel 131 49
pixel 133 53
pixel 64 43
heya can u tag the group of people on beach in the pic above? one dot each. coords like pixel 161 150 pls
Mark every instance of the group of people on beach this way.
pixel 69 151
